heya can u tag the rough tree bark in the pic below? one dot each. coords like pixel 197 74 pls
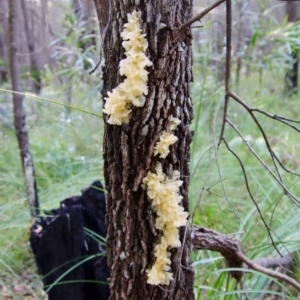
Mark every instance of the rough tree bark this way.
pixel 128 149
pixel 35 72
pixel 19 112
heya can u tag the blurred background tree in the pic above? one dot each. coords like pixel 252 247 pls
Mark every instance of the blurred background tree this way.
pixel 293 16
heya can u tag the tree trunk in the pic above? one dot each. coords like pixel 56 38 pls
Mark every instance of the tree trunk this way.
pixel 291 77
pixel 81 12
pixel 240 41
pixel 19 112
pixel 35 72
pixel 129 148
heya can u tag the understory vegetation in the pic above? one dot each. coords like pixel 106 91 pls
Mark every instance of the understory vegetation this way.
pixel 67 151
pixel 66 145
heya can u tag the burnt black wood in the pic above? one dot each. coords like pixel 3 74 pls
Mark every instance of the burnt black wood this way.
pixel 62 239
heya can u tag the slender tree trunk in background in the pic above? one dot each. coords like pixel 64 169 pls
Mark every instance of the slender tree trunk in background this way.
pixel 19 112
pixel 291 77
pixel 102 9
pixel 128 149
pixel 218 19
pixel 3 41
pixel 81 12
pixel 240 41
pixel 3 69
pixel 35 70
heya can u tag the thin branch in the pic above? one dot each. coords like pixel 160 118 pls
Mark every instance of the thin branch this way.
pixel 227 87
pixel 275 262
pixel 272 273
pixel 209 167
pixel 274 117
pixel 218 166
pixel 202 14
pixel 228 44
pixel 269 229
pixel 216 194
pixel 228 65
pixel 101 46
pixel 234 96
pixel 283 167
pixel 287 192
pixel 231 249
pixel 202 155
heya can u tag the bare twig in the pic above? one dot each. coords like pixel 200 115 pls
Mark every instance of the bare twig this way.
pixel 208 239
pixel 272 273
pixel 216 194
pixel 286 190
pixel 274 117
pixel 208 170
pixel 101 45
pixel 219 171
pixel 202 14
pixel 252 197
pixel 275 262
pixel 206 151
pixel 234 96
pixel 228 65
pixel 283 167
pixel 231 249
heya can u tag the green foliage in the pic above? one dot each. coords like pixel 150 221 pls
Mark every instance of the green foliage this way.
pixel 73 59
pixel 66 145
pixel 217 190
pixel 67 154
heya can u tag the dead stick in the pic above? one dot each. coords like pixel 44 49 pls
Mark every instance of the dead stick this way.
pixel 202 14
pixel 231 249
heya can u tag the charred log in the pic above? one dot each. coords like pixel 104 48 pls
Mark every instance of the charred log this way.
pixel 68 249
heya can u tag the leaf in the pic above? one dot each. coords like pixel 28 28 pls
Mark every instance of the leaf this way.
pixel 254 37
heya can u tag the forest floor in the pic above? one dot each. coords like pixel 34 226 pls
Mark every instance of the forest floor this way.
pixel 67 150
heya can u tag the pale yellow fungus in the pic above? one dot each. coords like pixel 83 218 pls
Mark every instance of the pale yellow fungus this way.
pixel 134 88
pixel 166 139
pixel 165 196
pixel 174 122
pixel 162 147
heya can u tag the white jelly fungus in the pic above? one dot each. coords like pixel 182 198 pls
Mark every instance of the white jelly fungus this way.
pixel 166 139
pixel 165 196
pixel 134 88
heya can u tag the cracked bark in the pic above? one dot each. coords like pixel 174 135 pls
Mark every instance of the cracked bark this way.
pixel 19 112
pixel 128 149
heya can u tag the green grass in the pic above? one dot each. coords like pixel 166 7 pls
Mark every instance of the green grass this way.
pixel 227 207
pixel 67 151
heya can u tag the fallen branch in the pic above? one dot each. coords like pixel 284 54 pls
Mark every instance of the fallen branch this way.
pixel 231 249
pixel 274 262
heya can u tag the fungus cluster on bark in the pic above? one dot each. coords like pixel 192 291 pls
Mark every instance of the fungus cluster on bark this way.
pixel 134 88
